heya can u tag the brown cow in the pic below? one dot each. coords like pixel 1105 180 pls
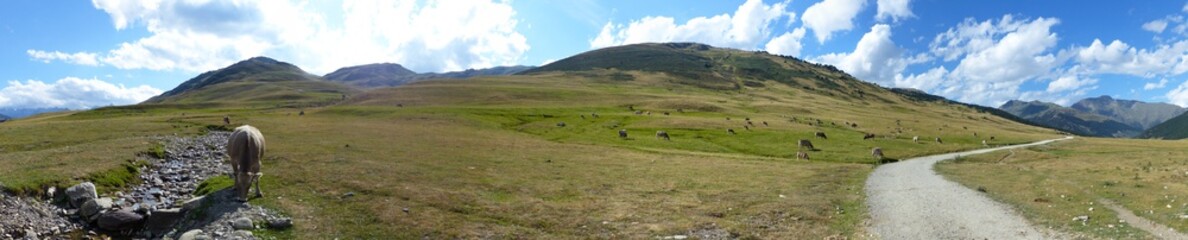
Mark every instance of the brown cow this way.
pixel 246 149
pixel 663 134
pixel 822 135
pixel 868 136
pixel 730 131
pixel 938 140
pixel 877 153
pixel 802 155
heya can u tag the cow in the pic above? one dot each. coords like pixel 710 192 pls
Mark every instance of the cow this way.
pixel 623 133
pixel 595 115
pixel 226 120
pixel 663 134
pixel 916 139
pixel 245 147
pixel 764 123
pixel 938 140
pixel 868 136
pixel 821 135
pixel 561 124
pixel 877 153
pixel 730 131
pixel 805 143
pixel 984 143
pixel 802 155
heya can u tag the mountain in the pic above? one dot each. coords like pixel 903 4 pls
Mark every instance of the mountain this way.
pixel 391 74
pixel 25 112
pixel 1138 114
pixel 1069 119
pixel 4 118
pixel 259 79
pixel 1175 128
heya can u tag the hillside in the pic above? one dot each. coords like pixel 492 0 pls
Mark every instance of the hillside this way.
pixel 1175 128
pixel 4 118
pixel 391 74
pixel 1068 119
pixel 259 79
pixel 1137 114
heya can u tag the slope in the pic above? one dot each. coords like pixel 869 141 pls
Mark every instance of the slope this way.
pixel 1175 128
pixel 258 80
pixel 391 74
pixel 1068 119
pixel 1138 114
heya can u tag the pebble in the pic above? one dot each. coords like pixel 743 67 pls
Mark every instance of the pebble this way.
pixel 242 223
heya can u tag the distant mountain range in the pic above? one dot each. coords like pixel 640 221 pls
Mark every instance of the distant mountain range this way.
pixel 11 113
pixel 1100 116
pixel 259 79
pixel 391 74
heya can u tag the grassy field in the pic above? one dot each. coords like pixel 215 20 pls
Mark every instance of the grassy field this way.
pixel 486 157
pixel 1053 184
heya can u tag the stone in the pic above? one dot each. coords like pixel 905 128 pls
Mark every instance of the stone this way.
pixel 242 234
pixel 121 220
pixel 91 209
pixel 162 220
pixel 195 234
pixel 79 194
pixel 242 223
pixel 192 204
pixel 280 223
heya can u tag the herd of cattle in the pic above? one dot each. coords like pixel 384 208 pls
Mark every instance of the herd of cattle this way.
pixel 804 145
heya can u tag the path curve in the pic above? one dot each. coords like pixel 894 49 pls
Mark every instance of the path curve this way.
pixel 908 200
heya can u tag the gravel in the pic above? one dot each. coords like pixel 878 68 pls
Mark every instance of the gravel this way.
pixel 908 200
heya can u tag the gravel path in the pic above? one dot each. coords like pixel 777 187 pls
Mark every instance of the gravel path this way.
pixel 908 200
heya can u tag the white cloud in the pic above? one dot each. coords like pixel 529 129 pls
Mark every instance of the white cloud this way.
pixel 1155 85
pixel 876 58
pixel 1179 95
pixel 73 93
pixel 1121 58
pixel 1156 26
pixel 750 25
pixel 433 35
pixel 925 81
pixel 830 16
pixel 787 44
pixel 1067 83
pixel 82 58
pixel 894 9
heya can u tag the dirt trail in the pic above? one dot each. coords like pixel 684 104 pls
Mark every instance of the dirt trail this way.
pixel 1156 229
pixel 908 200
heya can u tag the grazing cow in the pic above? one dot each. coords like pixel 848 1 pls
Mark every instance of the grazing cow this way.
pixel 631 107
pixel 748 119
pixel 991 137
pixel 245 147
pixel 747 127
pixel 764 123
pixel 665 113
pixel 975 134
pixel 938 140
pixel 226 120
pixel 750 123
pixel 984 143
pixel 821 135
pixel 583 116
pixel 622 133
pixel 663 134
pixel 916 139
pixel 854 125
pixel 302 113
pixel 730 131
pixel 868 136
pixel 595 115
pixel 877 153
pixel 561 124
pixel 802 155
pixel 727 118
pixel 649 113
pixel 805 143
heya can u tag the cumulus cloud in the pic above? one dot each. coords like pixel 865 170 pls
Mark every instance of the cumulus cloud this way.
pixel 830 16
pixel 1155 85
pixel 875 58
pixel 196 36
pixel 894 9
pixel 1066 83
pixel 750 25
pixel 1179 95
pixel 82 58
pixel 786 44
pixel 1156 26
pixel 73 93
pixel 1121 58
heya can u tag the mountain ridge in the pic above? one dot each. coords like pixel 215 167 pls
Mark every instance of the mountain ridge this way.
pixel 257 79
pixel 378 75
pixel 1068 119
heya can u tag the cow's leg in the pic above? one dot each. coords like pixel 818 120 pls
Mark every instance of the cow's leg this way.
pixel 256 179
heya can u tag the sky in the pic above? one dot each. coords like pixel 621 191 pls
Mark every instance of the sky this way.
pixel 78 54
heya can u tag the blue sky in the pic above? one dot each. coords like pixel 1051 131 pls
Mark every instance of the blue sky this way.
pixel 78 54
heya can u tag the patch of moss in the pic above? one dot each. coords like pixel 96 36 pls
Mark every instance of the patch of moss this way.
pixel 117 178
pixel 156 151
pixel 213 184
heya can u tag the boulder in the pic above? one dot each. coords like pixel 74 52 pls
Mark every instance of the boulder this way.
pixel 195 234
pixel 192 204
pixel 79 194
pixel 162 220
pixel 124 219
pixel 280 223
pixel 242 223
pixel 91 209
